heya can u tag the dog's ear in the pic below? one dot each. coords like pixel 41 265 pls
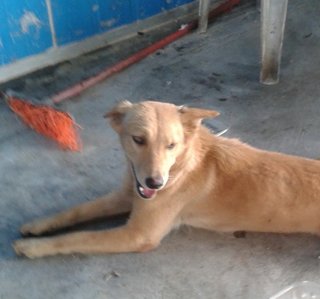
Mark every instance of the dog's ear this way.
pixel 117 113
pixel 191 117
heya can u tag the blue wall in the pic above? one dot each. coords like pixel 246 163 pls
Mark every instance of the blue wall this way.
pixel 25 30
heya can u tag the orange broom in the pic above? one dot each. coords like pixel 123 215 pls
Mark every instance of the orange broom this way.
pixel 52 123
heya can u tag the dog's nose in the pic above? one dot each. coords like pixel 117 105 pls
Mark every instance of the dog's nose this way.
pixel 154 183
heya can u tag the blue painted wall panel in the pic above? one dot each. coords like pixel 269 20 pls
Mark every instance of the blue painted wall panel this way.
pixel 115 13
pixel 147 8
pixel 175 3
pixel 4 37
pixel 24 29
pixel 78 19
pixel 75 19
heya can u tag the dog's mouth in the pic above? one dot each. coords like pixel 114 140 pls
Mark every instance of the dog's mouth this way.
pixel 143 192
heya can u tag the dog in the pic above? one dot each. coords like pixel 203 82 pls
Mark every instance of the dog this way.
pixel 179 173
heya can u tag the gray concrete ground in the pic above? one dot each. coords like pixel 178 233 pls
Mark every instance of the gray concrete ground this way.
pixel 219 70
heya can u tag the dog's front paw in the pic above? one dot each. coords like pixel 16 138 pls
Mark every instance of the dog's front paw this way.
pixel 33 228
pixel 29 248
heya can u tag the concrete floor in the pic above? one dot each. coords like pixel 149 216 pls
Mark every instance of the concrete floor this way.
pixel 218 70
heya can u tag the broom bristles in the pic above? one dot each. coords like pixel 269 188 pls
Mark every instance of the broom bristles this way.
pixel 49 122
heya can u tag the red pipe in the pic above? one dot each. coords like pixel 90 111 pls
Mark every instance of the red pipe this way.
pixel 104 74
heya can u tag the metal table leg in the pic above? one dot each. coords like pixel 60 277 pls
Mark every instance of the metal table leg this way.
pixel 273 18
pixel 203 15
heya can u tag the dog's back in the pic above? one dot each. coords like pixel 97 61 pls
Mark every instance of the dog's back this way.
pixel 254 190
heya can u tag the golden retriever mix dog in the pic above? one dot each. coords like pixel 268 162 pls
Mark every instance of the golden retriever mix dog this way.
pixel 181 174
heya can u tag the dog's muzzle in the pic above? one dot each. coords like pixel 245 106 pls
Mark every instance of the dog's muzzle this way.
pixel 144 192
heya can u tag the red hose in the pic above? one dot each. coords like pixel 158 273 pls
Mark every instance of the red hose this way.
pixel 104 74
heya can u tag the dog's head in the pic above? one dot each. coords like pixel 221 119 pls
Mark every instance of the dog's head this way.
pixel 153 135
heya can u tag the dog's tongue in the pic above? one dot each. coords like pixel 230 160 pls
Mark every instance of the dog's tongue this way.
pixel 148 192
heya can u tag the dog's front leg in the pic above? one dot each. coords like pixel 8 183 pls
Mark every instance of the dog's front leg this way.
pixel 111 204
pixel 147 226
pixel 115 240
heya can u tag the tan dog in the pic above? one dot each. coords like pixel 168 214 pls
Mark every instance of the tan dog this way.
pixel 180 173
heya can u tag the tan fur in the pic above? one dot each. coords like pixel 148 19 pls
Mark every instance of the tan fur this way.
pixel 209 182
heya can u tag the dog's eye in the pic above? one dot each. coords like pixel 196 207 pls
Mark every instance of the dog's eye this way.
pixel 139 140
pixel 171 146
